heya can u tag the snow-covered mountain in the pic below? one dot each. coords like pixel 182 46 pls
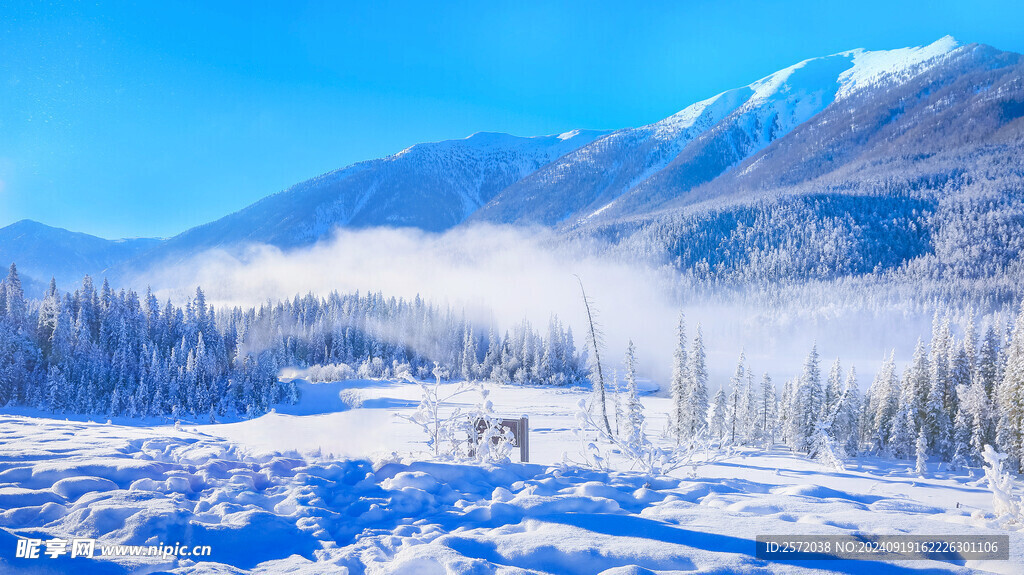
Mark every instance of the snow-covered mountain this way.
pixel 430 186
pixel 938 121
pixel 636 170
pixel 42 252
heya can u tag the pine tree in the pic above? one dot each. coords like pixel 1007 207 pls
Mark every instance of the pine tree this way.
pixel 939 428
pixel 988 361
pixel 617 408
pixel 736 395
pixel 883 405
pixel 681 387
pixel 717 415
pixel 961 436
pixel 902 435
pixel 1010 429
pixel 834 387
pixel 751 421
pixel 634 409
pixel 698 386
pixel 916 389
pixel 970 348
pixel 809 397
pixel 921 449
pixel 847 425
pixel 49 310
pixel 14 299
pixel 976 413
pixel 787 423
pixel 767 410
pixel 469 368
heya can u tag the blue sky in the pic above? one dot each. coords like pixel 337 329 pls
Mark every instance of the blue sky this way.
pixel 143 119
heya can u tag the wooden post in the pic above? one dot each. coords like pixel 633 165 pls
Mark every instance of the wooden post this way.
pixel 524 439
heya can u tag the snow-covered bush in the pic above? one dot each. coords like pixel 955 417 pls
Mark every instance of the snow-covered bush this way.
pixel 454 434
pixel 372 368
pixel 825 450
pixel 330 372
pixel 494 443
pixel 1001 485
pixel 630 437
pixel 439 428
pixel 635 446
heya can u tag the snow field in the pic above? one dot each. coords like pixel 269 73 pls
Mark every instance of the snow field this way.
pixel 319 490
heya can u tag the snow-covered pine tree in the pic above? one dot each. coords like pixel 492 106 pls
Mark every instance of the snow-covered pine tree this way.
pixel 970 346
pixel 976 407
pixel 620 413
pixel 737 396
pixel 809 401
pixel 847 425
pixel 768 405
pixel 915 388
pixel 921 451
pixel 939 407
pixel 717 416
pixel 752 431
pixel 698 385
pixel 468 367
pixel 636 430
pixel 834 386
pixel 787 426
pixel 883 405
pixel 1010 430
pixel 680 387
pixel 907 421
pixel 15 307
pixel 961 435
pixel 46 320
pixel 988 368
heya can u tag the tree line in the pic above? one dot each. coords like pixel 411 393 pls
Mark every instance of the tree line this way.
pixel 958 394
pixel 101 351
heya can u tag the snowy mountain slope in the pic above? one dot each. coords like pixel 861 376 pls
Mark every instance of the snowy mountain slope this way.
pixel 944 123
pixel 921 175
pixel 42 252
pixel 429 186
pixel 649 165
pixel 878 122
pixel 606 168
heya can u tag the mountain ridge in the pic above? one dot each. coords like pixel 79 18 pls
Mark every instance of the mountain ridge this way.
pixel 824 124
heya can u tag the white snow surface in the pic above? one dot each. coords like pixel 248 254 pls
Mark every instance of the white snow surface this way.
pixel 337 484
pixel 871 66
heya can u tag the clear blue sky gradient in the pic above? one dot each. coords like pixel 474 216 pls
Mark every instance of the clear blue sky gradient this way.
pixel 144 119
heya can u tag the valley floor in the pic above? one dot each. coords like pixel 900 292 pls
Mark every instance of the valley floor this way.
pixel 339 483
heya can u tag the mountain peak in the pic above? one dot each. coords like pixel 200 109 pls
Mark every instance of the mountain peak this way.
pixel 27 224
pixel 870 66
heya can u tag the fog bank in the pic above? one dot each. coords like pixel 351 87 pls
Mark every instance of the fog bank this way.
pixel 503 274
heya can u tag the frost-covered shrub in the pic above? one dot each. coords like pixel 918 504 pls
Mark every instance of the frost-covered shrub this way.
pixel 1001 485
pixel 635 446
pixel 452 434
pixel 372 368
pixel 441 428
pixel 321 373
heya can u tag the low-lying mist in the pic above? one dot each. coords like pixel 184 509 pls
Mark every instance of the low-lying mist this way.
pixel 500 275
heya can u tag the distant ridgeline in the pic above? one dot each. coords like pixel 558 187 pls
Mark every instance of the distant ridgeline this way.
pixel 896 169
pixel 112 353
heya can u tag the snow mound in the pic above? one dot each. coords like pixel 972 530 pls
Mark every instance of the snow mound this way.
pixel 71 488
pixel 281 512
